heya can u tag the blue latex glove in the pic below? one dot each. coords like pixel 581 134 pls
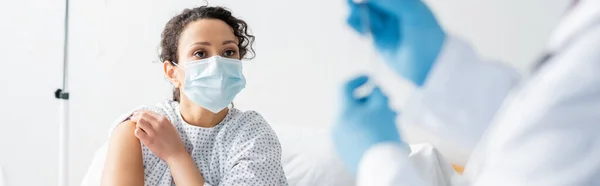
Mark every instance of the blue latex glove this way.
pixel 405 33
pixel 363 123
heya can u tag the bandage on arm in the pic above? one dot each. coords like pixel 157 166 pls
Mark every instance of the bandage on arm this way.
pixel 123 165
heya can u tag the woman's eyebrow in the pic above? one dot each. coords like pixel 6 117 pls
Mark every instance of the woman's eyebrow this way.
pixel 208 43
pixel 201 43
pixel 229 41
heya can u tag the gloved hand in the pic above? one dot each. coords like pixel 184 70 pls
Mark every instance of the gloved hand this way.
pixel 363 123
pixel 405 32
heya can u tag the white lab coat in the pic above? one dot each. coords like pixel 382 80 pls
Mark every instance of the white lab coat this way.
pixel 544 131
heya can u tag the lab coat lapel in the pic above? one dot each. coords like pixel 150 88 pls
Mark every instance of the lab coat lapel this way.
pixel 584 14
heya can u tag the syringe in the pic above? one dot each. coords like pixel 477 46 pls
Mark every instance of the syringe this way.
pixel 366 89
pixel 364 16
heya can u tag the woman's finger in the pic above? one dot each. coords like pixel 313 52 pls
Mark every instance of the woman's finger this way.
pixel 135 117
pixel 145 125
pixel 140 134
pixel 144 113
pixel 147 115
pixel 158 121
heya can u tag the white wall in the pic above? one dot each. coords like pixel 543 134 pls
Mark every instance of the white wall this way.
pixel 305 51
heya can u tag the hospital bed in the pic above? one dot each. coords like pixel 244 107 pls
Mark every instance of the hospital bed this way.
pixel 308 159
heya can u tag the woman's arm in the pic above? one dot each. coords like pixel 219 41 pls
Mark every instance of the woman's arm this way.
pixel 184 170
pixel 123 165
pixel 161 137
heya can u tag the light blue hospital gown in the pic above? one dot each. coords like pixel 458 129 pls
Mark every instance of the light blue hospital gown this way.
pixel 241 150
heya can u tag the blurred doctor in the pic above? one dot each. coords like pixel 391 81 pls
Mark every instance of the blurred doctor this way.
pixel 543 130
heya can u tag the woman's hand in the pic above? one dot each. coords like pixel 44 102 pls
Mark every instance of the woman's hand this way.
pixel 158 134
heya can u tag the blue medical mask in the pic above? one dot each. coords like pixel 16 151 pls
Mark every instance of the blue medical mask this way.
pixel 213 82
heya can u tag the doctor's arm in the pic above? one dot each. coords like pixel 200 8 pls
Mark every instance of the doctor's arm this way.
pixel 461 95
pixel 457 88
pixel 458 91
pixel 367 140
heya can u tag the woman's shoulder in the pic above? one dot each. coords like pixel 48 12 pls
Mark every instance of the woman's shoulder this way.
pixel 249 122
pixel 166 108
pixel 249 118
pixel 251 126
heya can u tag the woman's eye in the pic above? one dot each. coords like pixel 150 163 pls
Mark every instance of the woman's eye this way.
pixel 199 54
pixel 229 53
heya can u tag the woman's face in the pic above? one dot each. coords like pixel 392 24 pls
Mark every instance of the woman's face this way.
pixel 202 39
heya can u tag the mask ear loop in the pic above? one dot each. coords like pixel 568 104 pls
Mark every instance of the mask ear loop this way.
pixel 167 78
pixel 174 63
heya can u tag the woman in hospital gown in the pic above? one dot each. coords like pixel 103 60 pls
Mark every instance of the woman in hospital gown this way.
pixel 195 138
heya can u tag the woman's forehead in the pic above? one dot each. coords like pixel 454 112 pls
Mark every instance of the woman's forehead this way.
pixel 212 31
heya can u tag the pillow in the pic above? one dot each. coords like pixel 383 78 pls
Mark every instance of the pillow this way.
pixel 309 158
pixel 94 172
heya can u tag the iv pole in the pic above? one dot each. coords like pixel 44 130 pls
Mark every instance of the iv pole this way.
pixel 63 96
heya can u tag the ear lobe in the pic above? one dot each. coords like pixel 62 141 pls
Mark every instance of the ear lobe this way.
pixel 170 73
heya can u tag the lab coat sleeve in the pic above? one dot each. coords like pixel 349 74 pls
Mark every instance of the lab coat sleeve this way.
pixel 459 98
pixel 394 164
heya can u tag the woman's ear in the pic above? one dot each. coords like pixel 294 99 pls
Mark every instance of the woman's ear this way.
pixel 171 73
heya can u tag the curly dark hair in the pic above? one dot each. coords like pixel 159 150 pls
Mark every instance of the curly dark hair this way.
pixel 173 29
